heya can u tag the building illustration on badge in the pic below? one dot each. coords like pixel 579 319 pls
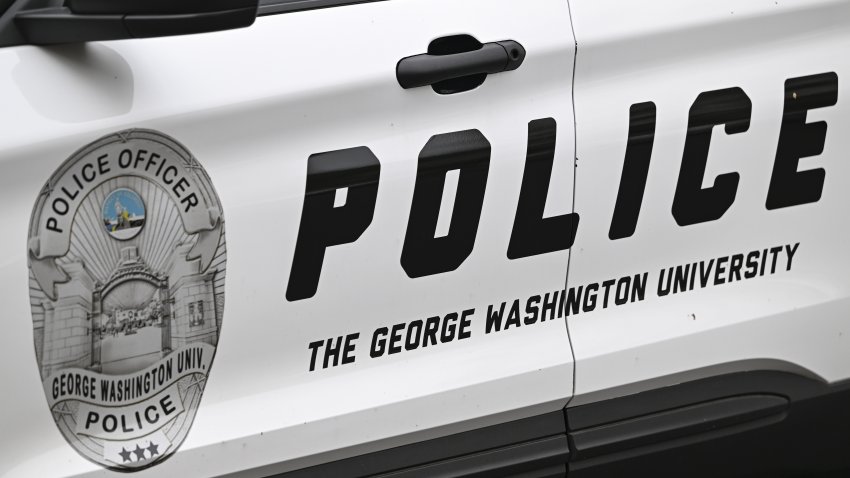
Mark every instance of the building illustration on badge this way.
pixel 126 263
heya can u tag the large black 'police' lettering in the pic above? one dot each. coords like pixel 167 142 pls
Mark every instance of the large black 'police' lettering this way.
pixel 635 170
pixel 532 233
pixel 693 204
pixel 322 224
pixel 798 139
pixel 469 152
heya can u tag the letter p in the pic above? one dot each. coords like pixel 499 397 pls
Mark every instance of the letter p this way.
pixel 322 224
pixel 91 419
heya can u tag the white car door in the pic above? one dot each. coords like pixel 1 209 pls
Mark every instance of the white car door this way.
pixel 711 182
pixel 395 257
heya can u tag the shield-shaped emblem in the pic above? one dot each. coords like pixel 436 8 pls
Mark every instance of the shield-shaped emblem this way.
pixel 127 262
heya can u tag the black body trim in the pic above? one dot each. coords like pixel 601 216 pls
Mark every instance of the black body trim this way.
pixel 533 447
pixel 793 386
pixel 546 457
pixel 743 424
pixel 671 424
pixel 760 423
pixel 274 7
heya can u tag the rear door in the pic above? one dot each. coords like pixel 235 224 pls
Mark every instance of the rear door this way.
pixel 712 180
pixel 712 183
pixel 394 257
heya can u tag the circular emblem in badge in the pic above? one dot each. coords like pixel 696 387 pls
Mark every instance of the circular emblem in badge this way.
pixel 127 262
pixel 123 214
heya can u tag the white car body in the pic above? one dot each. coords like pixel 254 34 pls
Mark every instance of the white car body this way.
pixel 253 104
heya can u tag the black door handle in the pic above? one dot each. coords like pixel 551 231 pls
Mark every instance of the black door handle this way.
pixel 428 69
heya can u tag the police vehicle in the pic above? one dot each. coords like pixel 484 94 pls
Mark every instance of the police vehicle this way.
pixel 415 238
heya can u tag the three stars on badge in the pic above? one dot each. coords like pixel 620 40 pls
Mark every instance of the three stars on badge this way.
pixel 126 455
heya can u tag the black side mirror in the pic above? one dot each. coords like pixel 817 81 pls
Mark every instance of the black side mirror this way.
pixel 98 20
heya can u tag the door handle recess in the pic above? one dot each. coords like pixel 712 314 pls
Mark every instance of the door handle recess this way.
pixel 428 69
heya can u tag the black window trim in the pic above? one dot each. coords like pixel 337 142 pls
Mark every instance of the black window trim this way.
pixel 275 7
pixel 10 35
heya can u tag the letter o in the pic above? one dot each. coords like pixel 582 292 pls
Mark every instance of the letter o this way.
pixel 414 332
pixel 110 428
pixel 125 154
pixel 64 206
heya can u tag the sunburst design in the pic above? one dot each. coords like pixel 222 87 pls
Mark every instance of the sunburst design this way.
pixel 101 253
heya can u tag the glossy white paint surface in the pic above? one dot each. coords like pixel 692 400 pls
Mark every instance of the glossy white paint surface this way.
pixel 668 52
pixel 252 105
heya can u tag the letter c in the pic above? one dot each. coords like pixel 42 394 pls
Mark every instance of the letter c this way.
pixel 148 416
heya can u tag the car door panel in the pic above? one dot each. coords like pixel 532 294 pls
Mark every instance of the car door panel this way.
pixel 646 79
pixel 253 106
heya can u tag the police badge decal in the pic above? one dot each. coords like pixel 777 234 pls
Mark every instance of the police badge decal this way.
pixel 126 264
